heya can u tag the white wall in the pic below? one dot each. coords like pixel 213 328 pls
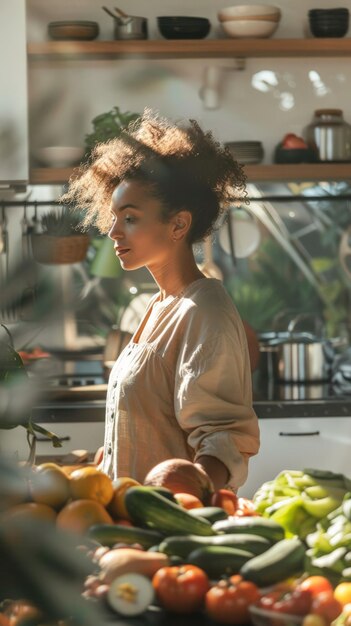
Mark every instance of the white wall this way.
pixel 64 97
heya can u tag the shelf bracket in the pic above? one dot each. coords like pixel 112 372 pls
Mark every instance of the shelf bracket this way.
pixel 211 90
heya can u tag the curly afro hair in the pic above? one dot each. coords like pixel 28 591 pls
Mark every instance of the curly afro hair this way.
pixel 184 167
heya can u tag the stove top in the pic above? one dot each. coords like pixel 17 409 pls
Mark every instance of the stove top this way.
pixel 87 380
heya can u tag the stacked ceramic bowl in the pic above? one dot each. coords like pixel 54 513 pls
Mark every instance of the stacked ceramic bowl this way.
pixel 254 20
pixel 246 151
pixel 328 22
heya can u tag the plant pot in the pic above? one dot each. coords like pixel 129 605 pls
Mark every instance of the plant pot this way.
pixel 51 250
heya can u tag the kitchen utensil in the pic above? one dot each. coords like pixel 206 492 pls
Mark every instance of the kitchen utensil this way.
pixel 329 135
pixel 59 156
pixel 109 12
pixel 183 27
pixel 209 268
pixel 328 22
pixel 250 28
pixel 120 12
pixel 345 251
pixel 128 26
pixel 244 11
pixel 303 357
pixel 73 30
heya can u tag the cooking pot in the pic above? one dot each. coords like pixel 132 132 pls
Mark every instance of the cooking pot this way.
pixel 130 27
pixel 302 358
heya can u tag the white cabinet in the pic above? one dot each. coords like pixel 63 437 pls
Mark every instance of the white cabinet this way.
pixel 14 163
pixel 75 436
pixel 298 443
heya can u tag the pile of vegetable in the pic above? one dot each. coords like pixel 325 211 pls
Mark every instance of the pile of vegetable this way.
pixel 202 550
pixel 299 499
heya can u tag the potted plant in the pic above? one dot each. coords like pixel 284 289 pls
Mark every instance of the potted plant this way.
pixel 15 383
pixel 108 126
pixel 61 241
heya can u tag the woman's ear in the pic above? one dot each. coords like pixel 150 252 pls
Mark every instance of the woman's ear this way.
pixel 181 223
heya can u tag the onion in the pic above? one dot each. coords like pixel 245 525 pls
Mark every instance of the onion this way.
pixel 181 476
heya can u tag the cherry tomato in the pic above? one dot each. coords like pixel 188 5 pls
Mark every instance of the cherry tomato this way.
pixel 326 605
pixel 181 588
pixel 228 600
pixel 315 585
pixel 225 499
pixel 342 592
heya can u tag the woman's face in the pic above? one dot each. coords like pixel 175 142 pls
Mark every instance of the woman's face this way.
pixel 141 237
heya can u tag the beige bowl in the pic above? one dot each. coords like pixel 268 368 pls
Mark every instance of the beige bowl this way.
pixel 244 10
pixel 249 28
pixel 59 156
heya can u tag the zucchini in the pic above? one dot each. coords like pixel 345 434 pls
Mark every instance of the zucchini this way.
pixel 282 560
pixel 149 508
pixel 110 534
pixel 211 513
pixel 218 561
pixel 183 545
pixel 263 526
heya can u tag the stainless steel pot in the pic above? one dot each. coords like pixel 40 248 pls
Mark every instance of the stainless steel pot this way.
pixel 302 360
pixel 130 27
pixel 330 135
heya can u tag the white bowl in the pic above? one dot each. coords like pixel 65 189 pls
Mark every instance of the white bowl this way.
pixel 249 28
pixel 245 10
pixel 60 156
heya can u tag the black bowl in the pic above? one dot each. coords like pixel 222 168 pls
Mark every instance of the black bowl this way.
pixel 328 12
pixel 179 27
pixel 296 155
pixel 329 30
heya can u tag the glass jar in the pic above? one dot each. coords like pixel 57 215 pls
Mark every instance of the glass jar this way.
pixel 329 135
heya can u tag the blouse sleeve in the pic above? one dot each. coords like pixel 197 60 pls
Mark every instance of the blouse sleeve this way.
pixel 213 402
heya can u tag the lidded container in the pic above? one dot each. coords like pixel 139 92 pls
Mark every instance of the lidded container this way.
pixel 329 135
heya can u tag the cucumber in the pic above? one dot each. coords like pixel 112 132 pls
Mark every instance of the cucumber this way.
pixel 282 560
pixel 149 508
pixel 254 525
pixel 218 561
pixel 211 513
pixel 183 545
pixel 109 534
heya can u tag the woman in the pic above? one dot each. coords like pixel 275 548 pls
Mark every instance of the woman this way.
pixel 182 386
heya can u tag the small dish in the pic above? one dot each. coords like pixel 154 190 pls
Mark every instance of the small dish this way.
pixel 59 156
pixel 73 30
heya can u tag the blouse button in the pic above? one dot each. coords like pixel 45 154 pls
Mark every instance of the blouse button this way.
pixel 109 451
pixel 112 415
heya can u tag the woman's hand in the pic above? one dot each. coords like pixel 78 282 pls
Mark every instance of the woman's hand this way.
pixel 216 471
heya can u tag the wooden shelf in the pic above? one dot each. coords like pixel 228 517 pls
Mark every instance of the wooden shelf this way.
pixel 255 173
pixel 190 48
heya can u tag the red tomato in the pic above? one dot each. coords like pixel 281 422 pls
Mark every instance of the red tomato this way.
pixel 228 601
pixel 315 585
pixel 225 499
pixel 326 605
pixel 181 588
pixel 268 599
pixel 292 141
pixel 296 602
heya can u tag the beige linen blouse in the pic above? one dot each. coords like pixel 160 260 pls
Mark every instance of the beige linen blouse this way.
pixel 182 387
